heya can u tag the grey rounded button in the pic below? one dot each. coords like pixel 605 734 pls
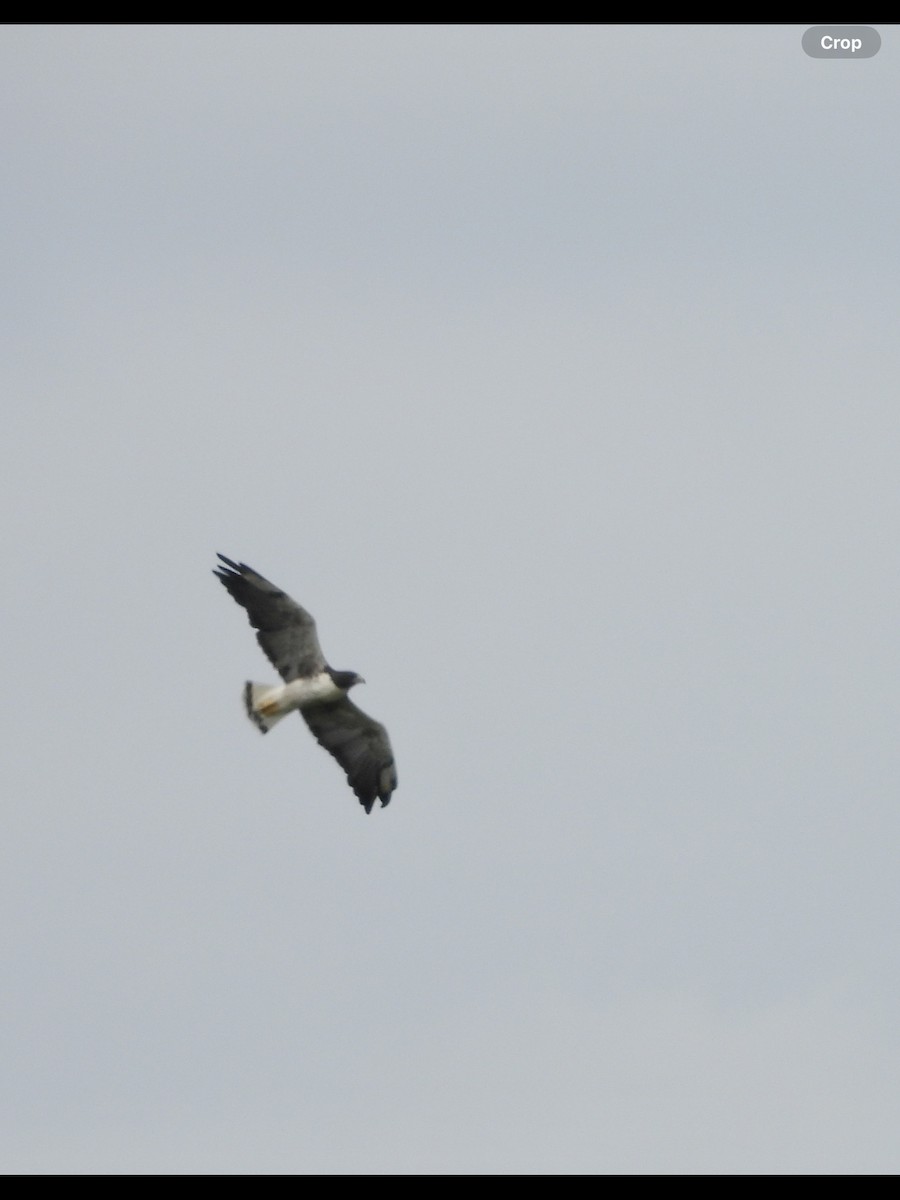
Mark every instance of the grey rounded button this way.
pixel 841 41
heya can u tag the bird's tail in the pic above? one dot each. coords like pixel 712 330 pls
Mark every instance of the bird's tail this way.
pixel 263 704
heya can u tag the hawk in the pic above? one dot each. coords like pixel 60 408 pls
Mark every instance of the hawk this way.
pixel 287 634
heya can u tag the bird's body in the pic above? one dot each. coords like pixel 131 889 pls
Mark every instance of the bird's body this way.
pixel 268 703
pixel 287 635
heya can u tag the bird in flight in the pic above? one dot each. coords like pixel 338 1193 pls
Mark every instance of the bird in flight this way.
pixel 287 634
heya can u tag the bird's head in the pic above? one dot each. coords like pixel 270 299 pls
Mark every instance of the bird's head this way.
pixel 345 680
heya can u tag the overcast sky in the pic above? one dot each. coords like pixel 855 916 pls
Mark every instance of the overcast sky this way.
pixel 555 370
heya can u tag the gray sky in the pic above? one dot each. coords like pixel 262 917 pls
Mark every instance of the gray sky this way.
pixel 555 370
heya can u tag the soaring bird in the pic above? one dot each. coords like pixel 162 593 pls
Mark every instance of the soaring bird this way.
pixel 287 634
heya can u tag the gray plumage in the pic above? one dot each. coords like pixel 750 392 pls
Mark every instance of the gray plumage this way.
pixel 287 634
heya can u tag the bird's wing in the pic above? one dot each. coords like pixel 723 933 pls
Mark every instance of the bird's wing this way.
pixel 359 744
pixel 286 632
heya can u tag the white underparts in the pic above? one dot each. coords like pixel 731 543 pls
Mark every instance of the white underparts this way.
pixel 267 703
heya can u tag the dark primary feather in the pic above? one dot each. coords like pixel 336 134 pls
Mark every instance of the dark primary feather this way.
pixel 286 632
pixel 360 744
